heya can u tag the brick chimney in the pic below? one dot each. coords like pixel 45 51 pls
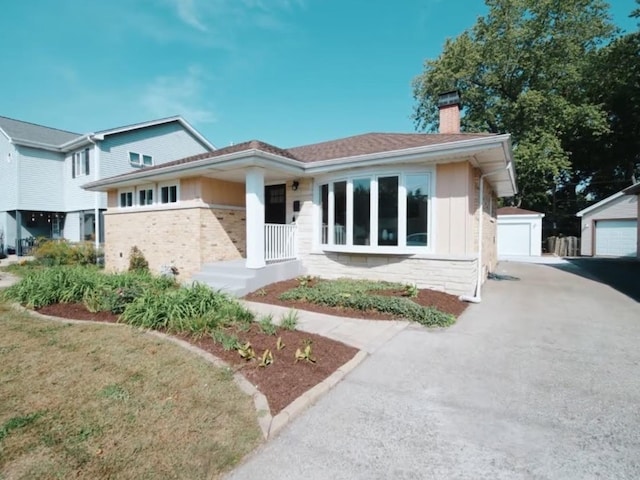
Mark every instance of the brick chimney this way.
pixel 449 106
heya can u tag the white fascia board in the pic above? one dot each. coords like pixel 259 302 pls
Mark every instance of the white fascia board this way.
pixel 601 203
pixel 77 143
pixel 30 143
pixel 522 216
pixel 245 158
pixel 5 134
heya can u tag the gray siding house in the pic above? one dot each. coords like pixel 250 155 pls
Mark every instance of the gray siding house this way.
pixel 42 171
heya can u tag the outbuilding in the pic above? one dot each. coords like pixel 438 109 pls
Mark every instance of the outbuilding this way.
pixel 609 228
pixel 519 232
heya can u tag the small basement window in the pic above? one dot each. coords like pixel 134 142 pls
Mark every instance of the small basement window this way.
pixel 169 194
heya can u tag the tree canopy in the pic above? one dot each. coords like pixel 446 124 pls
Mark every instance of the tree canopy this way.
pixel 556 75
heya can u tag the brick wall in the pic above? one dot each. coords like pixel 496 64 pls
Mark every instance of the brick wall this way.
pixel 183 237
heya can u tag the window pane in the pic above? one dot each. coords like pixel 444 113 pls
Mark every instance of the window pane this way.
pixel 147 160
pixel 340 213
pixel 164 194
pixel 150 197
pixel 134 158
pixel 324 207
pixel 417 210
pixel 361 211
pixel 388 211
pixel 129 199
pixel 173 194
pixel 123 199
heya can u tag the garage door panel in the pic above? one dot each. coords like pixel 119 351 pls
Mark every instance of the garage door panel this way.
pixel 616 238
pixel 514 239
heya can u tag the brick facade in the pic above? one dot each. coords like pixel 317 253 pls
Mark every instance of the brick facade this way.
pixel 185 237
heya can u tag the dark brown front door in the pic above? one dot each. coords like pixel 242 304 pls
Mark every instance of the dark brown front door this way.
pixel 275 204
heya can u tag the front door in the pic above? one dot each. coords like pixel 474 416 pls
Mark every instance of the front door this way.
pixel 275 204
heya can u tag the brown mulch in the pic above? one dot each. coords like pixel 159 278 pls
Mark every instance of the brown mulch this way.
pixel 281 382
pixel 427 298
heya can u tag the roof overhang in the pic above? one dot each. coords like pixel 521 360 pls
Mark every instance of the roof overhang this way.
pixel 632 190
pixel 489 154
pixel 600 204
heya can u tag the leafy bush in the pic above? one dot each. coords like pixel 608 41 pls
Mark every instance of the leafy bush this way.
pixel 356 295
pixel 75 284
pixel 137 262
pixel 51 252
pixel 195 310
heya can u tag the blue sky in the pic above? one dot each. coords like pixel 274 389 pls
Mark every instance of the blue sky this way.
pixel 288 72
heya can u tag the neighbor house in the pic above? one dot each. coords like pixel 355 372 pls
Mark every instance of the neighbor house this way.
pixel 635 190
pixel 609 228
pixel 42 170
pixel 414 208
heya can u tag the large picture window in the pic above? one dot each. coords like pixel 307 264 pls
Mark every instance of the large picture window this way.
pixel 386 212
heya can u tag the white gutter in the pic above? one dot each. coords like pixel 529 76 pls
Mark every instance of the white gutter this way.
pixel 477 297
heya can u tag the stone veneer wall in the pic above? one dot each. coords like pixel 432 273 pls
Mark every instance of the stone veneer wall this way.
pixel 455 276
pixel 184 237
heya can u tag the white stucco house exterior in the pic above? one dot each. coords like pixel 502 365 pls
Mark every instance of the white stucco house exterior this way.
pixel 42 170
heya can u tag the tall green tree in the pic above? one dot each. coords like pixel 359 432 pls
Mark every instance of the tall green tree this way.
pixel 520 70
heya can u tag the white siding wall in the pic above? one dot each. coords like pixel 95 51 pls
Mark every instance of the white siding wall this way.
pixel 625 206
pixel 163 142
pixel 40 179
pixel 8 175
pixel 75 197
pixel 72 226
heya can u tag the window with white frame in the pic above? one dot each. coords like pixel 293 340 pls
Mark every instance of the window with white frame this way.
pixel 145 195
pixel 140 160
pixel 125 198
pixel 80 163
pixel 376 210
pixel 169 193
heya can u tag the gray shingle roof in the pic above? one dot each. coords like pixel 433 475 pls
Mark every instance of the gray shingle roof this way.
pixel 19 130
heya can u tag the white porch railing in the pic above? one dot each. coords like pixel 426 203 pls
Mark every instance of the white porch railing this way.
pixel 279 242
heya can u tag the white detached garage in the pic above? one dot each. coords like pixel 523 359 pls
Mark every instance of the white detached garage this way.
pixel 519 232
pixel 610 227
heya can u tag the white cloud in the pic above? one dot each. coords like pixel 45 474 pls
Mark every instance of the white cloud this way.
pixel 178 95
pixel 211 15
pixel 186 10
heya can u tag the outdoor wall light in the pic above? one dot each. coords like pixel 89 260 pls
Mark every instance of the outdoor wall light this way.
pixel 295 185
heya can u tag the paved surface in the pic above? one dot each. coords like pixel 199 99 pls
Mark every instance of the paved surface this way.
pixel 618 273
pixel 541 380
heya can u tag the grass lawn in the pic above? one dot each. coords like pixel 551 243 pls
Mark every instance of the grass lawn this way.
pixel 96 401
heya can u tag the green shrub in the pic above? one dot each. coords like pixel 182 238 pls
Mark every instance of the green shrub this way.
pixel 267 326
pixel 137 262
pixel 357 295
pixel 51 252
pixel 195 310
pixel 290 320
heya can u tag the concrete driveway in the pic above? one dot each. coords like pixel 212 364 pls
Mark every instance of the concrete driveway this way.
pixel 541 380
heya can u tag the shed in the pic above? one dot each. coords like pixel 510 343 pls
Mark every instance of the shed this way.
pixel 519 232
pixel 609 228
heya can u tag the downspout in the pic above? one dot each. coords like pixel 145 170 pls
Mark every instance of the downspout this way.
pixel 477 298
pixel 96 173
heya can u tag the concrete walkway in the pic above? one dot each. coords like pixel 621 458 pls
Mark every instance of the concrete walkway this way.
pixel 367 335
pixel 539 381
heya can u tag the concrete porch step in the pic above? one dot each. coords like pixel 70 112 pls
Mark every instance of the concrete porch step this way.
pixel 235 278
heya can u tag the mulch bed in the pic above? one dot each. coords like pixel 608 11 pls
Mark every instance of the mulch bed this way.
pixel 428 298
pixel 281 382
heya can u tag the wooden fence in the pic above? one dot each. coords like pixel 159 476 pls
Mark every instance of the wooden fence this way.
pixel 564 246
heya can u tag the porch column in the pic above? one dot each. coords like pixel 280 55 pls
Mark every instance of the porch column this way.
pixel 254 204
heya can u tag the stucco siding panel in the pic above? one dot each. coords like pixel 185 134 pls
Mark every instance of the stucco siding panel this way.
pixel 40 180
pixel 164 143
pixel 452 209
pixel 624 207
pixel 221 192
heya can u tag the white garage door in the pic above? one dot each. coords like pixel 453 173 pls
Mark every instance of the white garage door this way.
pixel 616 238
pixel 514 239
